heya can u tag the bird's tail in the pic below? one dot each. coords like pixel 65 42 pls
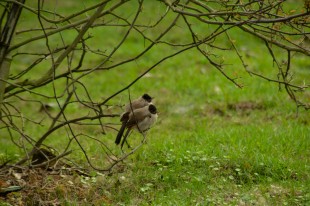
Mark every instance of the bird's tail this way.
pixel 125 137
pixel 120 133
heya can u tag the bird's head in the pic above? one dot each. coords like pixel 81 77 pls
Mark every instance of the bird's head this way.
pixel 147 97
pixel 152 109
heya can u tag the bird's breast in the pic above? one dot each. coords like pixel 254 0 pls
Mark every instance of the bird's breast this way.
pixel 147 122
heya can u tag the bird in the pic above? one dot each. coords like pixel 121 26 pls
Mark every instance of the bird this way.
pixel 142 101
pixel 140 119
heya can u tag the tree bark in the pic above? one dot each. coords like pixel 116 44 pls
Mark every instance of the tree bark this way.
pixel 4 74
pixel 13 13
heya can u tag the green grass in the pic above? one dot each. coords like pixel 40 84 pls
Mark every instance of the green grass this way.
pixel 213 144
pixel 261 162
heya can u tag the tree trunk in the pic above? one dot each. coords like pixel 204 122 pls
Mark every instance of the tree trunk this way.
pixel 13 12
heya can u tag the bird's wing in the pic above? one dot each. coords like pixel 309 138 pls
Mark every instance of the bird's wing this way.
pixel 137 116
pixel 125 116
pixel 136 104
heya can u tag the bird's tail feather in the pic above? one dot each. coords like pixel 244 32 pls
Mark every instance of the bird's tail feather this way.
pixel 120 133
pixel 125 137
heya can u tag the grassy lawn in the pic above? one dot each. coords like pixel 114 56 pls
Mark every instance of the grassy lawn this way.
pixel 213 144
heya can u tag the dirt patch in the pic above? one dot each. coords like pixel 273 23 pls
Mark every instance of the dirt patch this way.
pixel 42 187
pixel 242 108
pixel 245 106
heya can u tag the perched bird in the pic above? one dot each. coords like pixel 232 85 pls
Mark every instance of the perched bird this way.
pixel 142 101
pixel 140 119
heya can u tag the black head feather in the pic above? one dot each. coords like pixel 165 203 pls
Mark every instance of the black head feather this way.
pixel 147 97
pixel 152 109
